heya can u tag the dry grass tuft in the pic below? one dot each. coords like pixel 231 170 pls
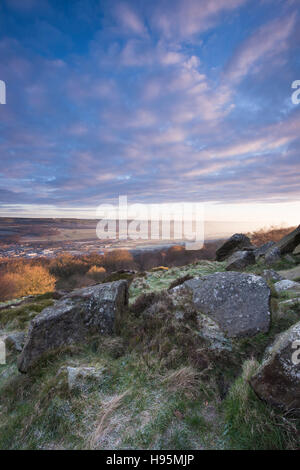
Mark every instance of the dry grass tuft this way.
pixel 104 424
pixel 185 379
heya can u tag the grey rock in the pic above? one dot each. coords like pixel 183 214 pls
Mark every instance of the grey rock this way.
pixel 82 378
pixel 238 302
pixel 15 342
pixel 291 274
pixel 212 333
pixel 240 260
pixel 277 381
pixel 297 250
pixel 288 243
pixel 287 305
pixel 272 256
pixel 285 285
pixel 262 250
pixel 237 242
pixel 271 275
pixel 73 319
pixel 290 259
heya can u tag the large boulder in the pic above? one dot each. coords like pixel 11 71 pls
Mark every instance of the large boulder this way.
pixel 72 319
pixel 237 242
pixel 288 243
pixel 277 380
pixel 240 260
pixel 238 302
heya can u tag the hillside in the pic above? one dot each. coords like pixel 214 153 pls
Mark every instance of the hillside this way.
pixel 165 377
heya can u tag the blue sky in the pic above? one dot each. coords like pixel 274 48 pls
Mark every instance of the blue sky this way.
pixel 163 101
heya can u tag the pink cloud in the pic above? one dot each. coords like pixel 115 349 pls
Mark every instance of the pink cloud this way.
pixel 185 18
pixel 130 20
pixel 266 43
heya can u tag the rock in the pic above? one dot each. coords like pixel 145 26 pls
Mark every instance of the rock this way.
pixel 83 378
pixel 291 274
pixel 287 305
pixel 212 333
pixel 272 256
pixel 239 260
pixel 290 259
pixel 73 319
pixel 15 342
pixel 297 250
pixel 238 302
pixel 286 284
pixel 277 381
pixel 288 243
pixel 235 243
pixel 271 275
pixel 262 250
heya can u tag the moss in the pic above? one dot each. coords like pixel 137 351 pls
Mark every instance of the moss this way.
pixel 158 281
pixel 20 317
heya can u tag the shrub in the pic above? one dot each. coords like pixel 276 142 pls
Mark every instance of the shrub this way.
pixel 67 265
pixel 28 280
pixel 118 259
pixel 7 287
pixel 265 235
pixel 97 273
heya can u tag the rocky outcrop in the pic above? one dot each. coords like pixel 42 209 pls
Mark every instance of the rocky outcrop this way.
pixel 238 302
pixel 272 256
pixel 263 249
pixel 271 275
pixel 237 242
pixel 277 380
pixel 72 319
pixel 240 260
pixel 288 243
pixel 286 284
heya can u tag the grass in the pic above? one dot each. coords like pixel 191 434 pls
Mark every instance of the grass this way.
pixel 108 409
pixel 18 318
pixel 162 387
pixel 251 424
pixel 157 281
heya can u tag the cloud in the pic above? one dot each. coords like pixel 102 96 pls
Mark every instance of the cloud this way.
pixel 264 45
pixel 130 20
pixel 144 107
pixel 186 18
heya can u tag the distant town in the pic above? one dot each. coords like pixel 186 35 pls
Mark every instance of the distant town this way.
pixel 48 238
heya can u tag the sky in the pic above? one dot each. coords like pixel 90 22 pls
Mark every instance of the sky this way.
pixel 163 101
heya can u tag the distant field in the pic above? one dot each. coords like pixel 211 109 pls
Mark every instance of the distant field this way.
pixel 36 230
pixel 64 234
pixel 55 230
